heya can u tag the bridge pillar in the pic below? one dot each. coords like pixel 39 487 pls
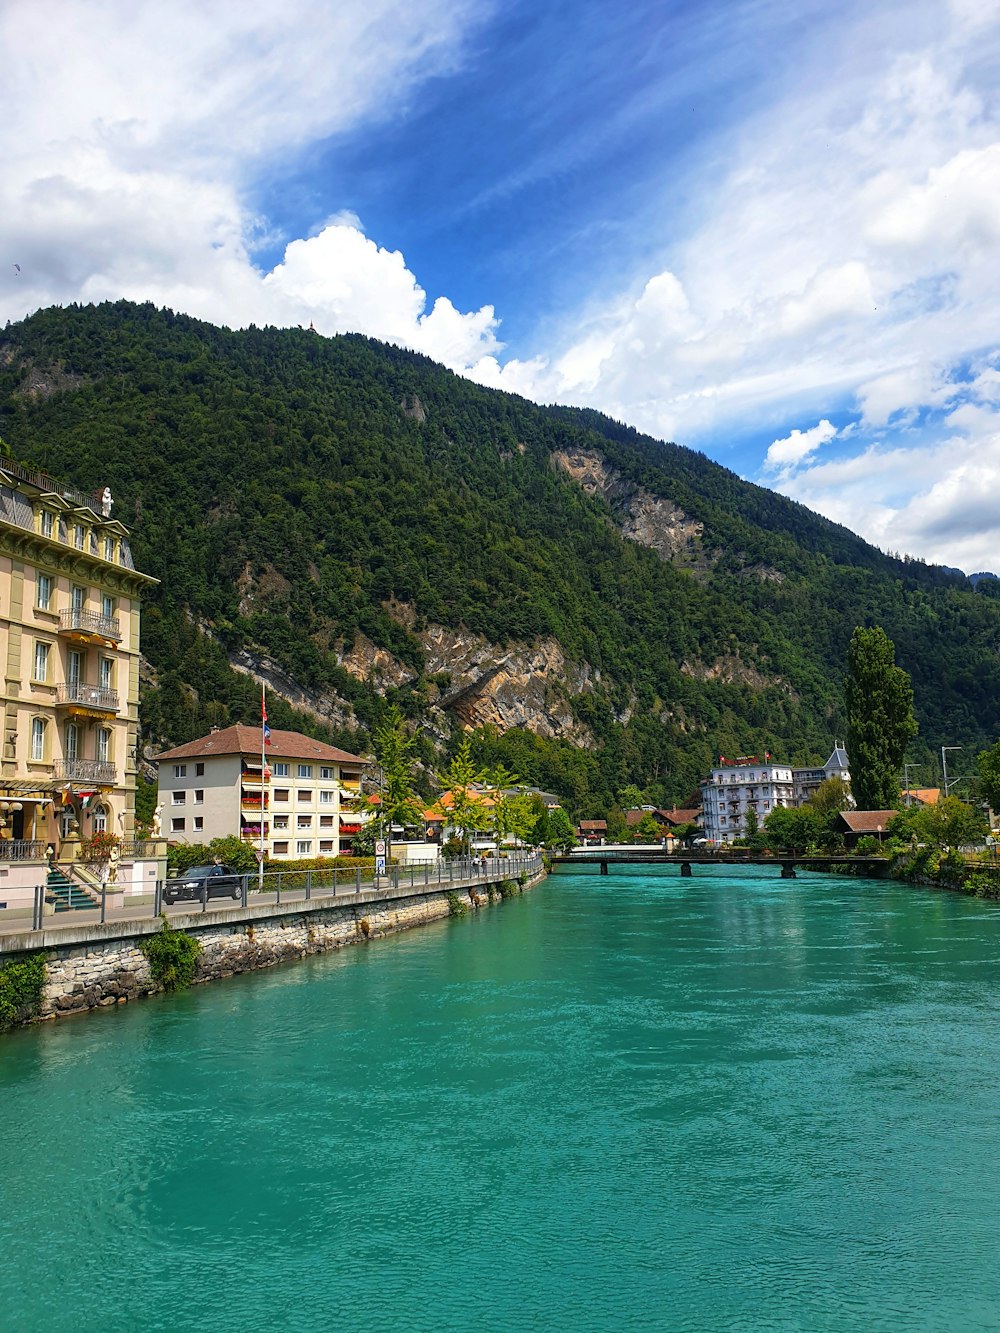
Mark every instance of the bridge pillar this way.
pixel 604 867
pixel 685 870
pixel 787 870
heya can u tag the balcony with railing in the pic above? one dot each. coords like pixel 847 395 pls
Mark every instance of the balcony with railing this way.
pixel 74 693
pixel 89 624
pixel 85 770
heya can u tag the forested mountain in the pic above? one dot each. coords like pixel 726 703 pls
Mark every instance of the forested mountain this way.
pixel 358 525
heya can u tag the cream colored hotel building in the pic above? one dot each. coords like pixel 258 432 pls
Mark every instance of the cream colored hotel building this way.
pixel 69 615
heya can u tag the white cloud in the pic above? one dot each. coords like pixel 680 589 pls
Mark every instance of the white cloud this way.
pixel 798 446
pixel 131 134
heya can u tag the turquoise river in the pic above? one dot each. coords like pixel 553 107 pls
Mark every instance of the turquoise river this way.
pixel 636 1102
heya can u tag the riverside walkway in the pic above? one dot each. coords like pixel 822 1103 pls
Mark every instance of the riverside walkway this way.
pixel 33 925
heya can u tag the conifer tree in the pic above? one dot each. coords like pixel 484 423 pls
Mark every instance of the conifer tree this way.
pixel 880 721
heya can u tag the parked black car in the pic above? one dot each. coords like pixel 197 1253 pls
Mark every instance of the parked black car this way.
pixel 218 881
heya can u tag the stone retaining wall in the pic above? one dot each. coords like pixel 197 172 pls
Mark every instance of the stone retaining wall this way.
pixel 108 967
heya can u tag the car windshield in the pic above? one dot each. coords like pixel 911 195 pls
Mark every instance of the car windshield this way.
pixel 200 872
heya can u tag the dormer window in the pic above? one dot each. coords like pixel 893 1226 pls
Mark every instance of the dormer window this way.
pixel 109 548
pixel 46 522
pixel 79 534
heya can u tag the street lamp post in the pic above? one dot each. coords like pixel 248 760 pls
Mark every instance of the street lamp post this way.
pixel 944 766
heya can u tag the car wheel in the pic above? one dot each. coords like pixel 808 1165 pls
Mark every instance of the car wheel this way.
pixel 236 894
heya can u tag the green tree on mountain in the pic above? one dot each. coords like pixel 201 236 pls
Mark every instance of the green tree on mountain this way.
pixel 880 722
pixel 465 810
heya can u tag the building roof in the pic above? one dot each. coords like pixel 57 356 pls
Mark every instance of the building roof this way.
pixel 838 759
pixel 689 816
pixel 923 795
pixel 867 821
pixel 246 740
pixel 594 825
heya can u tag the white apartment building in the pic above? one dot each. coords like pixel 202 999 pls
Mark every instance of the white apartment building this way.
pixel 306 794
pixel 738 786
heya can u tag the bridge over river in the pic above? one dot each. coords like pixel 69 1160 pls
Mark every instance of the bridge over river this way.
pixel 605 857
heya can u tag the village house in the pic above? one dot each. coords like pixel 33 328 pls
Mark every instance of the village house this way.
pixel 303 799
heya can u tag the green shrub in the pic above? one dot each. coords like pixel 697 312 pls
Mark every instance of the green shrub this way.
pixel 509 888
pixel 455 905
pixel 21 982
pixel 173 957
pixel 984 884
pixel 522 878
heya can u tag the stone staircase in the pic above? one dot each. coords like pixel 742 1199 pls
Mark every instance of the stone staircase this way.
pixel 64 895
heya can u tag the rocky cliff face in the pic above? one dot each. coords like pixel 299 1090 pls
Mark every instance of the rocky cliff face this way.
pixel 642 517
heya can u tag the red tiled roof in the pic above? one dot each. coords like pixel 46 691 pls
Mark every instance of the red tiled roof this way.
pixel 246 740
pixel 867 821
pixel 676 816
pixel 593 824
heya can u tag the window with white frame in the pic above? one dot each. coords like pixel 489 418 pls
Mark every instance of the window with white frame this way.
pixel 103 745
pixel 74 667
pixel 281 821
pixel 327 797
pixel 326 845
pixel 107 673
pixel 71 741
pixel 178 797
pixel 77 597
pixel 304 821
pixel 41 661
pixel 303 848
pixel 280 769
pixel 199 796
pixel 101 814
pixel 78 535
pixel 109 548
pixel 305 771
pixel 177 826
pixel 199 823
pixel 327 774
pixel 107 606
pixel 46 522
pixel 38 725
pixel 180 770
pixel 43 591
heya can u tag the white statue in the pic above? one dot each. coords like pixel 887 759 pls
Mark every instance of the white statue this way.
pixel 156 828
pixel 106 502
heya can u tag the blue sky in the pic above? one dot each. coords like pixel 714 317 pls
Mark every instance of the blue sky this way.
pixel 770 232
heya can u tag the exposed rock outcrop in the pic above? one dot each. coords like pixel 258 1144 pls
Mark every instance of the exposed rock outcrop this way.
pixel 643 517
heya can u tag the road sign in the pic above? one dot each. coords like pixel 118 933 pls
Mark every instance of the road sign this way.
pixel 380 847
pixel 380 865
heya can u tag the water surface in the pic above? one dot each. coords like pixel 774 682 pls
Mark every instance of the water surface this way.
pixel 729 1102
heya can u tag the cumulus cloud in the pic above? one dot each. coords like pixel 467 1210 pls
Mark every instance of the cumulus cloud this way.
pixel 798 446
pixel 110 189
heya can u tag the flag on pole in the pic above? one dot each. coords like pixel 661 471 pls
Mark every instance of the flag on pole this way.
pixel 264 728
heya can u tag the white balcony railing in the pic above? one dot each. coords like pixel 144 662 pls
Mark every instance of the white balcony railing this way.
pixel 88 696
pixel 85 770
pixel 76 621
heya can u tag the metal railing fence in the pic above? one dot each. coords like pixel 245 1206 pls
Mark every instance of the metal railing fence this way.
pixel 282 886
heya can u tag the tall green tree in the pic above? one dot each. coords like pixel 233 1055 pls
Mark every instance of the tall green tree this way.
pixel 398 800
pixel 989 776
pixel 880 721
pixel 466 809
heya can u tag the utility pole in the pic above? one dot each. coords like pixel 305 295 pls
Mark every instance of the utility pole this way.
pixel 944 766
